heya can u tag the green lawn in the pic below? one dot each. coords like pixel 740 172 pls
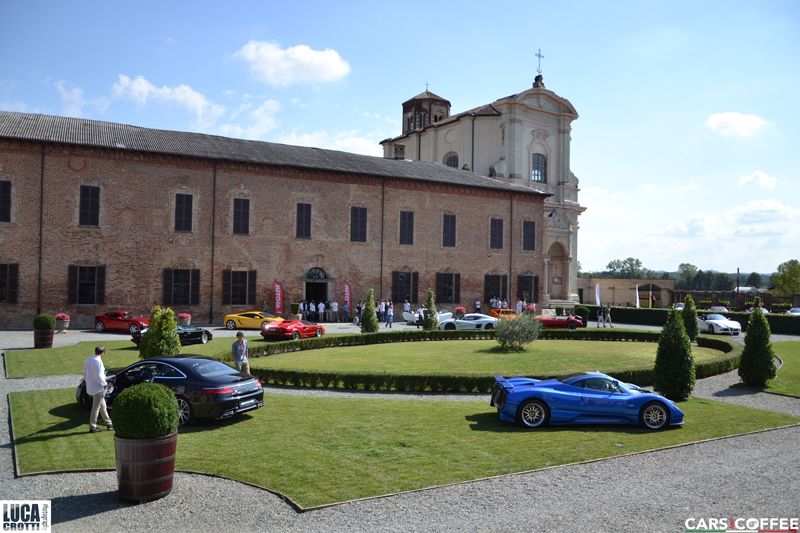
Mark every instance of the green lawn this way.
pixel 787 381
pixel 325 450
pixel 477 356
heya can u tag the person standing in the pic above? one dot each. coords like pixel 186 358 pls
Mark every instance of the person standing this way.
pixel 406 306
pixel 240 353
pixel 607 316
pixel 600 317
pixel 519 306
pixel 321 311
pixel 389 314
pixel 478 305
pixel 335 310
pixel 94 376
pixel 346 312
pixel 360 311
pixel 264 307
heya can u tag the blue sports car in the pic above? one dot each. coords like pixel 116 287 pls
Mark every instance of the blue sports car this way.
pixel 581 398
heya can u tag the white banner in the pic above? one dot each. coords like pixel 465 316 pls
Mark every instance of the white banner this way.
pixel 26 515
pixel 637 296
pixel 597 294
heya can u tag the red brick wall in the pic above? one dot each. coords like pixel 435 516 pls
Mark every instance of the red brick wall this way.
pixel 136 238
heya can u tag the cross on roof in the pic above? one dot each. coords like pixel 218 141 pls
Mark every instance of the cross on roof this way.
pixel 540 56
pixel 426 86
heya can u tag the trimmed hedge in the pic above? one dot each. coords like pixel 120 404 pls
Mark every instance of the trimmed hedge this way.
pixel 460 382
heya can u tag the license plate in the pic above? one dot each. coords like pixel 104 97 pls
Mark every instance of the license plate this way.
pixel 246 403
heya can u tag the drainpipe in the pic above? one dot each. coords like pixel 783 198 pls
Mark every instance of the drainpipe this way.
pixel 511 244
pixel 383 223
pixel 41 236
pixel 213 233
pixel 472 151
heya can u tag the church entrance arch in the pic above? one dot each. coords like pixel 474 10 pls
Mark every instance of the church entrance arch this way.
pixel 558 272
pixel 316 285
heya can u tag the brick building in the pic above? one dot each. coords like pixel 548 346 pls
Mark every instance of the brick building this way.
pixel 96 216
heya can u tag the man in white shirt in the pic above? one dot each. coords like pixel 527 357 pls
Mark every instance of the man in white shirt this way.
pixel 335 310
pixel 94 376
pixel 321 311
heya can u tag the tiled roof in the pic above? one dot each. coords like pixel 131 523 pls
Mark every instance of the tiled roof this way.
pixel 425 96
pixel 488 110
pixel 83 132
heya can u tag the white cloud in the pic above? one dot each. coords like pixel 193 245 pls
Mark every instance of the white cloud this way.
pixel 71 98
pixel 297 64
pixel 141 91
pixel 762 179
pixel 347 141
pixel 649 188
pixel 261 120
pixel 735 124
pixel 6 103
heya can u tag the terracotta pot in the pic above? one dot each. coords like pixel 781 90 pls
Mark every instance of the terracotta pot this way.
pixel 145 467
pixel 43 338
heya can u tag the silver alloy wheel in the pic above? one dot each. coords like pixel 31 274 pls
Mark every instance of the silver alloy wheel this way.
pixel 654 415
pixel 204 337
pixel 133 329
pixel 230 324
pixel 533 414
pixel 319 333
pixel 100 326
pixel 185 414
pixel 711 328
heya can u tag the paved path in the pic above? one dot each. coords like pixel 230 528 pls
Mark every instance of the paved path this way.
pixel 750 476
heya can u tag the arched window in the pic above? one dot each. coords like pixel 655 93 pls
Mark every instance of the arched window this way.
pixel 451 159
pixel 316 273
pixel 423 120
pixel 410 123
pixel 539 168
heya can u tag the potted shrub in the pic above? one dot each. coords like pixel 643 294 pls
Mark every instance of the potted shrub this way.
pixel 62 322
pixel 145 420
pixel 460 312
pixel 43 328
pixel 184 319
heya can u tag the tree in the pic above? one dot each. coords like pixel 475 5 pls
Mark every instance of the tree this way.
pixel 689 315
pixel 674 368
pixel 754 280
pixel 757 364
pixel 430 318
pixel 369 320
pixel 787 278
pixel 687 270
pixel 722 282
pixel 161 338
pixel 515 332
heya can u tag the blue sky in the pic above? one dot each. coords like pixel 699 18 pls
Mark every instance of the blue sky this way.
pixel 687 147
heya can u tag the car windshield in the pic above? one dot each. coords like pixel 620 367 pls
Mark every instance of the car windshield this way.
pixel 210 369
pixel 715 317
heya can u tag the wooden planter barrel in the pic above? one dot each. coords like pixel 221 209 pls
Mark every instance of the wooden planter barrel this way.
pixel 43 338
pixel 145 467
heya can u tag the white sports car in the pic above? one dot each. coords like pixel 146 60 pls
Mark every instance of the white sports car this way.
pixel 470 321
pixel 715 323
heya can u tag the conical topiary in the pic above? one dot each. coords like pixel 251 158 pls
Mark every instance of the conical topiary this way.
pixel 757 364
pixel 369 320
pixel 689 315
pixel 430 318
pixel 674 368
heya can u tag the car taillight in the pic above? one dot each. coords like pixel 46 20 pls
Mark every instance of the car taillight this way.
pixel 223 390
pixel 257 384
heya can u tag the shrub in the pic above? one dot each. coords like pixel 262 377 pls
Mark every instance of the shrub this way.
pixel 583 312
pixel 515 332
pixel 757 364
pixel 44 322
pixel 689 314
pixel 295 309
pixel 161 338
pixel 674 368
pixel 369 320
pixel 145 411
pixel 430 318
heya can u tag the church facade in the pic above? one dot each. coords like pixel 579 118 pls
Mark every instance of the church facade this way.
pixel 522 139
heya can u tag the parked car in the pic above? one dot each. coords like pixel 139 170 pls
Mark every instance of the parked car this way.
pixel 187 334
pixel 249 320
pixel 718 309
pixel 292 329
pixel 204 387
pixel 794 311
pixel 581 398
pixel 563 322
pixel 716 323
pixel 752 309
pixel 120 321
pixel 500 313
pixel 471 321
pixel 680 306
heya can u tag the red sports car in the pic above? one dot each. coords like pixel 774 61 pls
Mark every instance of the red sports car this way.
pixel 121 321
pixel 563 322
pixel 292 329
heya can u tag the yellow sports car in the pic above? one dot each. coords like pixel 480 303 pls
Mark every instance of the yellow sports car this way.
pixel 250 320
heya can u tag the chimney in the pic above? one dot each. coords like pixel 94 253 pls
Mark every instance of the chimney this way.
pixel 399 151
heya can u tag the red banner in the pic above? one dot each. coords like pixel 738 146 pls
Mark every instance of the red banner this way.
pixel 278 299
pixel 347 295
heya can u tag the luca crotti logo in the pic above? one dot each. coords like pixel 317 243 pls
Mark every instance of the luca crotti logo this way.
pixel 742 525
pixel 26 515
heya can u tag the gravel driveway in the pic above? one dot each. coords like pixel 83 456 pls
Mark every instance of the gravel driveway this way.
pixel 749 476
